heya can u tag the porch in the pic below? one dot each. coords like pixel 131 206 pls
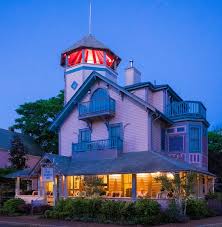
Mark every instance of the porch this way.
pixel 126 187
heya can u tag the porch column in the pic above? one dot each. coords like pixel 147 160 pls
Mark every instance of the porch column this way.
pixel 17 186
pixel 54 191
pixel 60 178
pixel 213 181
pixel 205 184
pixel 134 187
pixel 65 194
pixel 39 186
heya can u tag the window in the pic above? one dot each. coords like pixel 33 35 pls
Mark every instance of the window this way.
pixel 115 131
pixel 170 130
pixel 180 129
pixel 163 139
pixel 99 100
pixel 84 135
pixel 194 139
pixel 176 143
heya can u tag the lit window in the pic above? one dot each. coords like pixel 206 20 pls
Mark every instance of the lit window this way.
pixel 94 56
pixel 75 58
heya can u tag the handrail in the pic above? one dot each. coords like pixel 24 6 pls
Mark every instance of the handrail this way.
pixel 186 108
pixel 114 143
pixel 97 106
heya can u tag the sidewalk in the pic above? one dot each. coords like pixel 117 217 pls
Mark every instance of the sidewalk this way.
pixel 36 221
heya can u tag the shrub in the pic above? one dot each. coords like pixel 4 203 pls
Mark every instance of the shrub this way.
pixel 173 214
pixel 197 208
pixel 147 211
pixel 13 206
pixel 111 211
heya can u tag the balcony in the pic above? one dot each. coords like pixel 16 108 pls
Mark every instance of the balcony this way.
pixel 186 109
pixel 98 149
pixel 97 109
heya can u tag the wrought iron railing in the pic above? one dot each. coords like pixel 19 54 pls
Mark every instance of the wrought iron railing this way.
pixel 186 109
pixel 97 107
pixel 115 143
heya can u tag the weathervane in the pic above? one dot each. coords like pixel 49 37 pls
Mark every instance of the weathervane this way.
pixel 90 17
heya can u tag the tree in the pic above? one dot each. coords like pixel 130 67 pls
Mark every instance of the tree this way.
pixel 181 187
pixel 215 141
pixel 93 185
pixel 35 119
pixel 17 154
pixel 215 156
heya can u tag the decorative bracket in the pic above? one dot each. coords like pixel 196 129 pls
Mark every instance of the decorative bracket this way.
pixel 89 125
pixel 107 123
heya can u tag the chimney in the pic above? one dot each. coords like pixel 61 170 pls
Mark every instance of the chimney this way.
pixel 132 75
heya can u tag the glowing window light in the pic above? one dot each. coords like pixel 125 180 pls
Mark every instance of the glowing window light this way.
pixel 109 60
pixel 94 56
pixel 156 174
pixel 142 175
pixel 75 58
pixel 115 176
pixel 170 175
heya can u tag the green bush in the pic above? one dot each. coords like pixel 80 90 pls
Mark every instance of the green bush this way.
pixel 197 208
pixel 144 211
pixel 147 211
pixel 13 207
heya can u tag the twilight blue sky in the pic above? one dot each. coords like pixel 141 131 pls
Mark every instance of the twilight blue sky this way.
pixel 174 42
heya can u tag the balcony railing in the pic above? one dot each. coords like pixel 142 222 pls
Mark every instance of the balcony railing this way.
pixel 115 143
pixel 97 108
pixel 186 109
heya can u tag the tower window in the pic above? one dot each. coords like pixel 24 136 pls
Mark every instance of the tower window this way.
pixel 75 58
pixel 94 56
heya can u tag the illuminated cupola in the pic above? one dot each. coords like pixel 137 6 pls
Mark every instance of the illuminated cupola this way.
pixel 84 57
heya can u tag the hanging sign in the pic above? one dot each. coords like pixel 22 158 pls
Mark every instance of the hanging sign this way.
pixel 47 174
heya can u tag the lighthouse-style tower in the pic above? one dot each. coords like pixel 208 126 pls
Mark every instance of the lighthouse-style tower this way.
pixel 84 57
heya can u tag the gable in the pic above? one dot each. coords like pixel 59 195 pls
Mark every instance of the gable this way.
pixel 88 83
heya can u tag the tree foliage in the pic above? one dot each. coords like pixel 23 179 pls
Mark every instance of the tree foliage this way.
pixel 182 187
pixel 215 156
pixel 35 119
pixel 17 154
pixel 215 141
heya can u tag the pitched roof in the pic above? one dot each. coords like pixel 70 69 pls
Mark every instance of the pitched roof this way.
pixel 87 41
pixel 153 88
pixel 83 90
pixel 131 162
pixel 6 136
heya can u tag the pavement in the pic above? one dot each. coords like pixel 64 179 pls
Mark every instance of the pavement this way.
pixel 36 221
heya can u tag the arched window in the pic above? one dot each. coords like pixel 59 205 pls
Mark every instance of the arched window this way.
pixel 99 100
pixel 100 94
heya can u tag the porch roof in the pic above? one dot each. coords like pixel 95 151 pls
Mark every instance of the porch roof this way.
pixel 19 173
pixel 132 162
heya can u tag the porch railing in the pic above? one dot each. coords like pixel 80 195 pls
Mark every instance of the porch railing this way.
pixel 115 143
pixel 96 108
pixel 183 109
